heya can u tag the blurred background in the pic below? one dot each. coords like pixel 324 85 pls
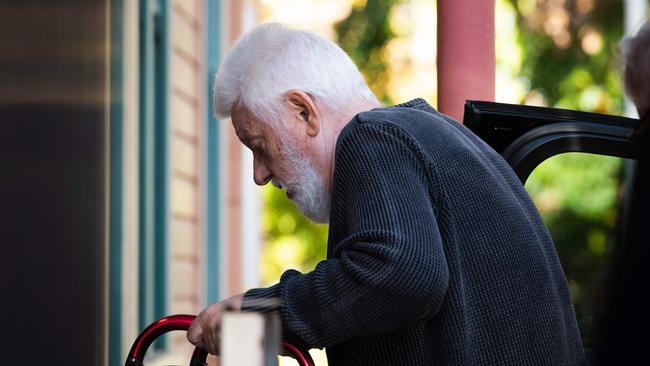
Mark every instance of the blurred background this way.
pixel 124 200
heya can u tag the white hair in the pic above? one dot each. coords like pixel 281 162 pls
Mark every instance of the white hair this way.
pixel 636 54
pixel 272 59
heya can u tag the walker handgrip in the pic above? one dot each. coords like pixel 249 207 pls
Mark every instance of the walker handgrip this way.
pixel 183 322
pixel 303 357
pixel 155 330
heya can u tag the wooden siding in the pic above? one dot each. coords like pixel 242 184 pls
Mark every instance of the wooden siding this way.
pixel 186 151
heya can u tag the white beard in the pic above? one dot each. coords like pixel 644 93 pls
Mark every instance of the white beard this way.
pixel 306 186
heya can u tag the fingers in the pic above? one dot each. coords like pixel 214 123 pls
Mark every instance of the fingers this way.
pixel 211 337
pixel 205 329
pixel 195 332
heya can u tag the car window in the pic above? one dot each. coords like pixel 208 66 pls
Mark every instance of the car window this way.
pixel 580 197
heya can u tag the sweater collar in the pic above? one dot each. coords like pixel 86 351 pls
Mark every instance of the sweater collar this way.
pixel 417 103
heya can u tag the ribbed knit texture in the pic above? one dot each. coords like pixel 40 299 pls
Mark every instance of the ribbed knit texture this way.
pixel 436 255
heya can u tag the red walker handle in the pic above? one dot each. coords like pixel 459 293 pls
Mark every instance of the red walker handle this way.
pixel 183 322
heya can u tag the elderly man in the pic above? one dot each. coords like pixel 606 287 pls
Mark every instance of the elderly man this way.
pixel 436 254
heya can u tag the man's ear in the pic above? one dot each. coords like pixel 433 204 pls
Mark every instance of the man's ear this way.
pixel 305 108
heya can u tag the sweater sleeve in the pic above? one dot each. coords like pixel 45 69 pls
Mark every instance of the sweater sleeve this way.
pixel 386 268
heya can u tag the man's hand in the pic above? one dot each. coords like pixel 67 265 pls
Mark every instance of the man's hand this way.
pixel 205 331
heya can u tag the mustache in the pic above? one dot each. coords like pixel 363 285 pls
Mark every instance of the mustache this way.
pixel 277 184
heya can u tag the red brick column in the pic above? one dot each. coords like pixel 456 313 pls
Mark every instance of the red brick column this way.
pixel 466 60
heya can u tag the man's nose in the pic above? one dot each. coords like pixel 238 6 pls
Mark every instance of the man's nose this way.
pixel 261 175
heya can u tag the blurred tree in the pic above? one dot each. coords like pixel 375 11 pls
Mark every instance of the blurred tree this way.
pixel 571 52
pixel 577 195
pixel 363 35
pixel 291 240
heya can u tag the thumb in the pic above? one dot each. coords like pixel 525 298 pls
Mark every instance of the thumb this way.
pixel 195 333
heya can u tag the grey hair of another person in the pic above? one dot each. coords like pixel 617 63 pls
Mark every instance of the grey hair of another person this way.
pixel 636 55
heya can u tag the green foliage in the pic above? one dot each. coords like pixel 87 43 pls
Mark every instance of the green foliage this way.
pixel 571 52
pixel 291 240
pixel 577 195
pixel 363 35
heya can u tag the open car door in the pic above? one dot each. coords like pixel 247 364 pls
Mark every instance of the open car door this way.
pixel 526 136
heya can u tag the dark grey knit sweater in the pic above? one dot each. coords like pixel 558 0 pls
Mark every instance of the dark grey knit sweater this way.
pixel 436 255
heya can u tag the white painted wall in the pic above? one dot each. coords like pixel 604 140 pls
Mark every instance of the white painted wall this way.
pixel 251 205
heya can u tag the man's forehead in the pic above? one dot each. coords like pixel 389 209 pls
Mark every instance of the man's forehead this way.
pixel 245 124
